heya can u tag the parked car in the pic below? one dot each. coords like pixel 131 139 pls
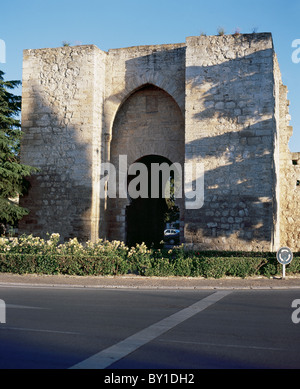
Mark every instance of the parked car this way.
pixel 172 236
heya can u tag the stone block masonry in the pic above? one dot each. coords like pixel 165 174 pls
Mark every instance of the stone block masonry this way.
pixel 62 105
pixel 230 127
pixel 218 100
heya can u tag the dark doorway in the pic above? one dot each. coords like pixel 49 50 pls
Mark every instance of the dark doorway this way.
pixel 146 217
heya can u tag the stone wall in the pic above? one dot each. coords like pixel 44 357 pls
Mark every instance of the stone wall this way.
pixel 62 102
pixel 130 68
pixel 216 100
pixel 230 128
pixel 130 128
pixel 288 172
pixel 290 199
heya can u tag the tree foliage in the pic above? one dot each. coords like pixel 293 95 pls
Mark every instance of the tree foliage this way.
pixel 13 173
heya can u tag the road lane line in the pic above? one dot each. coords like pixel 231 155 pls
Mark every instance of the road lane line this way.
pixel 120 350
pixel 23 306
pixel 38 330
pixel 224 345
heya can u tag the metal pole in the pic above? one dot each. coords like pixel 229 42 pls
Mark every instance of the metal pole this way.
pixel 283 271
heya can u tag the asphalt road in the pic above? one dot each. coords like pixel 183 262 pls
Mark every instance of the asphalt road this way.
pixel 72 328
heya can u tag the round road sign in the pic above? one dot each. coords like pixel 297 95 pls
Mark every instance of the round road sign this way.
pixel 284 256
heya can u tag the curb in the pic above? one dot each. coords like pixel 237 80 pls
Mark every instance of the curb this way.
pixel 139 282
pixel 61 286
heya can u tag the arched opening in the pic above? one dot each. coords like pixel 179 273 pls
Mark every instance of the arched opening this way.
pixel 152 206
pixel 148 128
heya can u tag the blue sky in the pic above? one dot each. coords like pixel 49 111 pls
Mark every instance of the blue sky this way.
pixel 32 24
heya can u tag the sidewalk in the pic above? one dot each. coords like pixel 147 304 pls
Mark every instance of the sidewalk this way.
pixel 138 282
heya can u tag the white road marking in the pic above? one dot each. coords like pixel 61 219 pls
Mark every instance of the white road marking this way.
pixel 23 306
pixel 224 345
pixel 120 350
pixel 2 328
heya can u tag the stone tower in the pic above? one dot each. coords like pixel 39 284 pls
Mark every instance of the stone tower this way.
pixel 215 100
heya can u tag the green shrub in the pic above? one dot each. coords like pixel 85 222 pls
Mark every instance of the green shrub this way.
pixel 245 267
pixel 46 264
pixel 160 267
pixel 29 254
pixel 182 266
pixel 213 267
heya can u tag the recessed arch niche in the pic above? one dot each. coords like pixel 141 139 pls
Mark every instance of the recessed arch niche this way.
pixel 148 122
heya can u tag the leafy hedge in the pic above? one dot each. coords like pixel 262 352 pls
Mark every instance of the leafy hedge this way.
pixel 29 254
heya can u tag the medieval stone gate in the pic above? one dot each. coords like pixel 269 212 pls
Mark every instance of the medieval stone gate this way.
pixel 216 100
pixel 148 123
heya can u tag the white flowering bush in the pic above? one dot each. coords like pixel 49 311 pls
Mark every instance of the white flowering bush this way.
pixel 139 258
pixel 29 254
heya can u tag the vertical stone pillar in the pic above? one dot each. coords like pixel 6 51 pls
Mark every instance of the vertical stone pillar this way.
pixel 230 127
pixel 62 102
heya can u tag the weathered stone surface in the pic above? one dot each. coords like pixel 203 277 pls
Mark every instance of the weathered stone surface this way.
pixel 218 100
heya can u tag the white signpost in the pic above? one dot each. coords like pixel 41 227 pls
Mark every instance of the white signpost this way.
pixel 284 257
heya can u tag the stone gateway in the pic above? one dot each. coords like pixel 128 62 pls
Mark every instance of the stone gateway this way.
pixel 214 100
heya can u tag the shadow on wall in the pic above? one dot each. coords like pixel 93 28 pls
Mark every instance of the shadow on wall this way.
pixel 59 200
pixel 164 69
pixel 234 118
pixel 149 123
pixel 233 129
pixel 147 120
pixel 232 132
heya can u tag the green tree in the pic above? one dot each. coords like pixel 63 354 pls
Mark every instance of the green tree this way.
pixel 172 213
pixel 13 182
